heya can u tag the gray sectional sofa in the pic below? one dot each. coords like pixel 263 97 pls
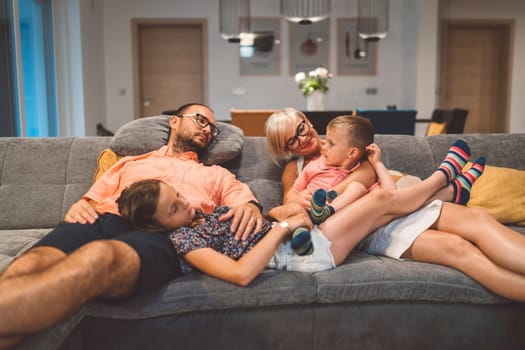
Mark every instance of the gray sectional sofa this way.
pixel 369 302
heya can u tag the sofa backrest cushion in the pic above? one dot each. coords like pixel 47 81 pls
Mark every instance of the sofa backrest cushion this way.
pixel 41 177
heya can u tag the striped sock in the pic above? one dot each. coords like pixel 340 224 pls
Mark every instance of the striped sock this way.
pixel 463 183
pixel 457 157
pixel 302 241
pixel 320 211
pixel 331 195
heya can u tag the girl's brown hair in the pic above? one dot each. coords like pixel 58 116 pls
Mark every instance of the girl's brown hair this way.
pixel 138 202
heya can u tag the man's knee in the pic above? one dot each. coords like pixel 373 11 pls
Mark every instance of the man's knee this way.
pixel 114 262
pixel 110 254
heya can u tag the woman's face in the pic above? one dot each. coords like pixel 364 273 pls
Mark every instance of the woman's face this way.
pixel 301 138
pixel 173 209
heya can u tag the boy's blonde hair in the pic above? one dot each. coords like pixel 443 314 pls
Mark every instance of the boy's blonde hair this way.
pixel 359 130
pixel 275 128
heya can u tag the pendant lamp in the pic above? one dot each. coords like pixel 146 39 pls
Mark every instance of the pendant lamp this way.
pixel 305 11
pixel 234 19
pixel 372 19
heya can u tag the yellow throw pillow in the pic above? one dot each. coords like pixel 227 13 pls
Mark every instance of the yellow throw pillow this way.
pixel 435 128
pixel 501 191
pixel 105 160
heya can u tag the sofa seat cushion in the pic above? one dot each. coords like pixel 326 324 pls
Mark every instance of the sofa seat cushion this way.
pixel 365 277
pixel 198 292
pixel 15 242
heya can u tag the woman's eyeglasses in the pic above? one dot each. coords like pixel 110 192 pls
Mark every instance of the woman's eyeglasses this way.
pixel 203 122
pixel 302 130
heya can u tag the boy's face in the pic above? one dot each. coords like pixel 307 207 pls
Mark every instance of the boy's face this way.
pixel 336 149
pixel 173 209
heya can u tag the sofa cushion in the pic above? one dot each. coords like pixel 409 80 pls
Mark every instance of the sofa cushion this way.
pixel 500 191
pixel 147 134
pixel 365 277
pixel 195 292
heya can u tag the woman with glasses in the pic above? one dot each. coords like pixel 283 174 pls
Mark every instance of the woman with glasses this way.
pixel 467 239
pixel 299 149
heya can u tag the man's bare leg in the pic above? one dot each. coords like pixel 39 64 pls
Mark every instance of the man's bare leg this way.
pixel 33 261
pixel 33 302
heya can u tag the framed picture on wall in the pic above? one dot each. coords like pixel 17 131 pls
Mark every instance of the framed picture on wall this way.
pixel 309 46
pixel 355 56
pixel 260 53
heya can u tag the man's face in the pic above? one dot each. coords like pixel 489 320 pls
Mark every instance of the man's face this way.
pixel 188 133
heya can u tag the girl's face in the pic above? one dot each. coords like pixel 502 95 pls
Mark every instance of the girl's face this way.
pixel 173 209
pixel 301 138
pixel 335 148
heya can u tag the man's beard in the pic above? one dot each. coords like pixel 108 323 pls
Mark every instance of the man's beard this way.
pixel 184 143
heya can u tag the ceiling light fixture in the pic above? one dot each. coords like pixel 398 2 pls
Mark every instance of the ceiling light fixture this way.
pixel 372 19
pixel 305 11
pixel 234 19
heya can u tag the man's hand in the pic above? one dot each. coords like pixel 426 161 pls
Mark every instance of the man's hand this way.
pixel 81 212
pixel 246 219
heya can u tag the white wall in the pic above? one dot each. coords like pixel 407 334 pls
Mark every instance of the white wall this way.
pixel 406 74
pixel 93 64
pixel 393 78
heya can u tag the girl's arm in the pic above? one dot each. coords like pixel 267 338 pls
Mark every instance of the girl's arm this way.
pixel 244 270
pixel 374 157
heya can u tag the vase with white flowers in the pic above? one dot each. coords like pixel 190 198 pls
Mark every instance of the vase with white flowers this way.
pixel 314 86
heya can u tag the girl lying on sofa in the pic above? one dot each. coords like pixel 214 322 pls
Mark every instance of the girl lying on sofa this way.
pixel 205 243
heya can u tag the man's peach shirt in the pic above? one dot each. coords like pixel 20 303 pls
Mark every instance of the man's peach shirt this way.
pixel 204 186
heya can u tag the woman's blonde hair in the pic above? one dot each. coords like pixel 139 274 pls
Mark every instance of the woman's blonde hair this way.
pixel 275 128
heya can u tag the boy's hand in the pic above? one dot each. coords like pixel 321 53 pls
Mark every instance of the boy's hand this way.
pixel 374 154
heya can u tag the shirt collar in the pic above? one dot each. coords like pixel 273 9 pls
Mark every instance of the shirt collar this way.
pixel 190 155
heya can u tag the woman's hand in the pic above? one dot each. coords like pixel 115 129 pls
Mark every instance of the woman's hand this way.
pixel 246 219
pixel 304 197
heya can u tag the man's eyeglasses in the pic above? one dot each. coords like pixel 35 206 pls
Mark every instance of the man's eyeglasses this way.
pixel 203 122
pixel 302 130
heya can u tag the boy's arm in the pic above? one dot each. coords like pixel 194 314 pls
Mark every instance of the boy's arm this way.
pixel 364 174
pixel 374 157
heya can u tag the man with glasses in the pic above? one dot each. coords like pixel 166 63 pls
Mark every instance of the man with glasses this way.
pixel 95 253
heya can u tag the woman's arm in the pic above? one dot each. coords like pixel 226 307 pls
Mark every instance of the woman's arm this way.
pixel 244 270
pixel 288 178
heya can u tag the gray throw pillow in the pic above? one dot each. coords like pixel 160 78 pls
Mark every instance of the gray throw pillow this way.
pixel 147 134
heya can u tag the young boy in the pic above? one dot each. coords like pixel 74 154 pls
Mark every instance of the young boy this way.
pixel 349 139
